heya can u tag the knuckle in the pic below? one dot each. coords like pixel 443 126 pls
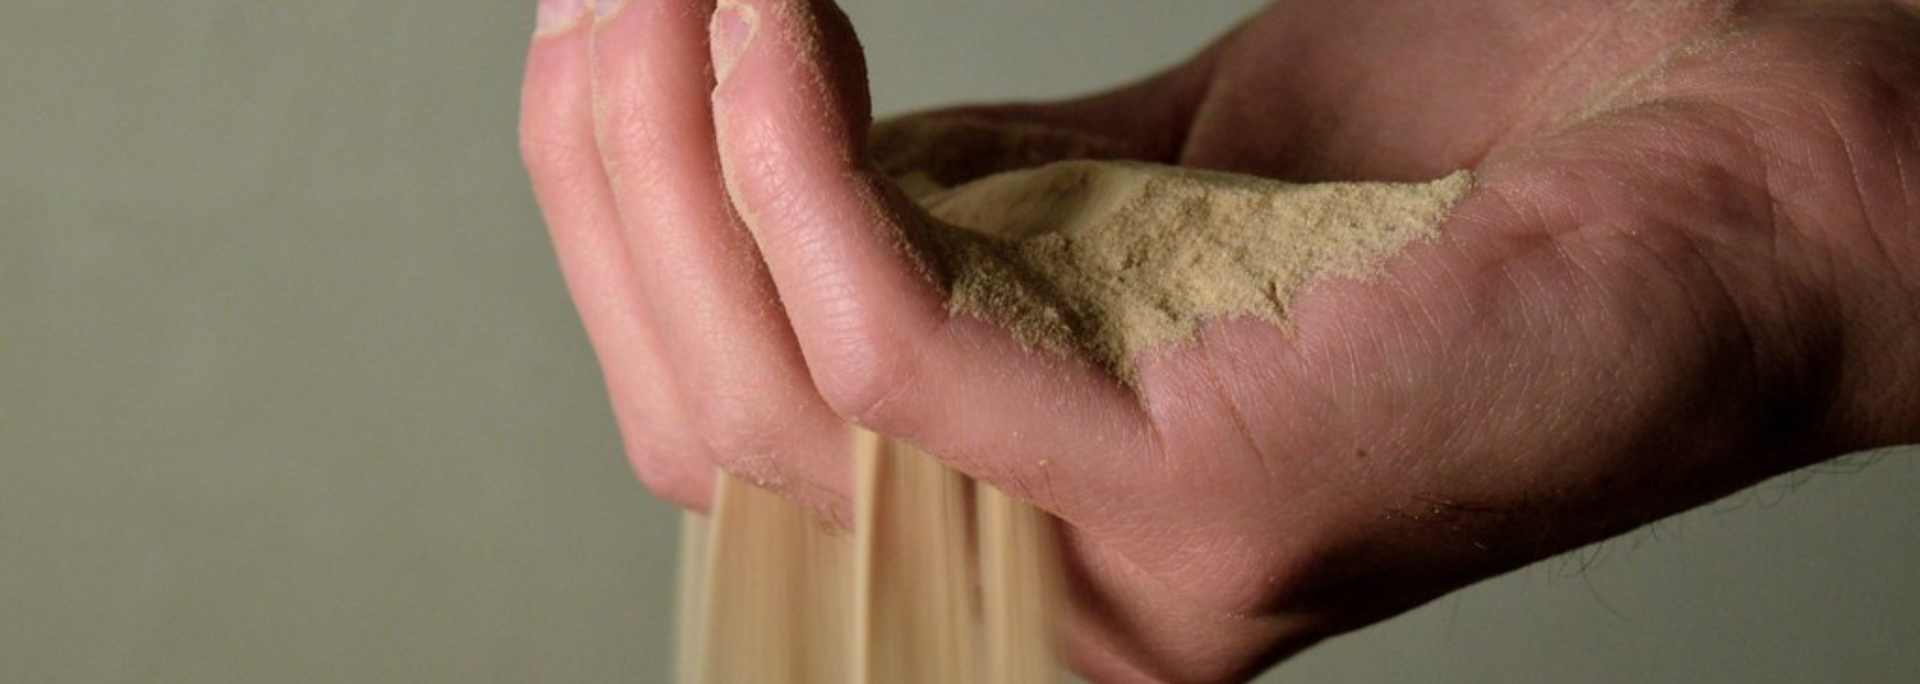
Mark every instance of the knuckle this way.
pixel 665 456
pixel 867 372
pixel 667 473
pixel 744 435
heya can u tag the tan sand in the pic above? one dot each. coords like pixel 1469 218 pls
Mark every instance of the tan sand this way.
pixel 1109 259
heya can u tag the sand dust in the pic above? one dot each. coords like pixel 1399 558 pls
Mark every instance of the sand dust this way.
pixel 1109 259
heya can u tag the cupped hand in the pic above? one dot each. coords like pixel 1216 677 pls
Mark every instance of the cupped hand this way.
pixel 1691 261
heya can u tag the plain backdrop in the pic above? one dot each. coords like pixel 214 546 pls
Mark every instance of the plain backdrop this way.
pixel 290 390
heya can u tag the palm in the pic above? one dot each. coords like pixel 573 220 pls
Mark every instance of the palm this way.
pixel 1534 382
pixel 1635 311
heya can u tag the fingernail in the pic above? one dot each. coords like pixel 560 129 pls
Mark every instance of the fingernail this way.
pixel 602 8
pixel 728 35
pixel 556 15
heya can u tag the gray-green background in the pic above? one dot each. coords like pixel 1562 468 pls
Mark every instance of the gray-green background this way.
pixel 290 390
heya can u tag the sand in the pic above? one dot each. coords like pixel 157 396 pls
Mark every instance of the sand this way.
pixel 1109 259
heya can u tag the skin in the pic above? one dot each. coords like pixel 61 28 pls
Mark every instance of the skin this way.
pixel 1691 262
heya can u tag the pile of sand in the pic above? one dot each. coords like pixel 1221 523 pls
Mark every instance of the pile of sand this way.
pixel 1108 259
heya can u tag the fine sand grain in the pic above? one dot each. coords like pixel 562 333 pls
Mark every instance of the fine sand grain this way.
pixel 1108 258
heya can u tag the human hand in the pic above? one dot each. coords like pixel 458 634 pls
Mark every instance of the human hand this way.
pixel 1690 263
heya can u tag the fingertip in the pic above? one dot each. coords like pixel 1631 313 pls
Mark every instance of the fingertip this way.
pixel 606 8
pixel 553 17
pixel 728 35
pixel 765 52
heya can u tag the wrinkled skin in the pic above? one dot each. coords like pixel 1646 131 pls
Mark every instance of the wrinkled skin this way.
pixel 1692 261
